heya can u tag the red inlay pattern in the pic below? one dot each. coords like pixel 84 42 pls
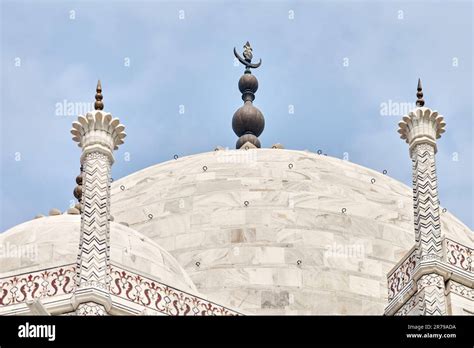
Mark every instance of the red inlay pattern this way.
pixel 41 284
pixel 123 284
pixel 160 297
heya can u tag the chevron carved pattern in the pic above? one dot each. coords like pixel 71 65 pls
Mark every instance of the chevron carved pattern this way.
pixel 420 129
pixel 431 295
pixel 93 258
pixel 97 134
pixel 425 201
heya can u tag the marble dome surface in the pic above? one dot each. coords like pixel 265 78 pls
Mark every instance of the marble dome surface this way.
pixel 273 231
pixel 55 239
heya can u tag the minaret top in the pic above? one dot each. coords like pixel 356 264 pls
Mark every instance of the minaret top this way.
pixel 98 105
pixel 419 95
pixel 98 131
pixel 422 125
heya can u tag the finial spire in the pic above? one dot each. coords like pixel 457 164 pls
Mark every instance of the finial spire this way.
pixel 248 52
pixel 248 121
pixel 98 105
pixel 419 95
pixel 247 60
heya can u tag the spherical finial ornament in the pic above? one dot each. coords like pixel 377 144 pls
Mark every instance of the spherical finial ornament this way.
pixel 248 121
pixel 248 138
pixel 54 212
pixel 79 179
pixel 78 192
pixel 98 105
pixel 419 95
pixel 73 211
pixel 78 189
pixel 248 84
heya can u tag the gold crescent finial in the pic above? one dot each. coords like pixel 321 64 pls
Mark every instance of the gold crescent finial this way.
pixel 247 59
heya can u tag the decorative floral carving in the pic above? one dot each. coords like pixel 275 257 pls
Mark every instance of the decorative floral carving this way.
pixel 421 122
pixel 459 255
pixel 461 290
pixel 98 127
pixel 402 275
pixel 91 308
pixel 123 284
pixel 431 279
pixel 160 297
pixel 41 284
pixel 408 306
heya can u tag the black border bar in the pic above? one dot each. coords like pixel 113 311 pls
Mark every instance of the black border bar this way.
pixel 261 330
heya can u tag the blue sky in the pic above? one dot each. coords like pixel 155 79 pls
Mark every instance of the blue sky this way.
pixel 335 62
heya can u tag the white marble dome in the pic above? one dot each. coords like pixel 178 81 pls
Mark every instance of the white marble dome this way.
pixel 55 240
pixel 273 231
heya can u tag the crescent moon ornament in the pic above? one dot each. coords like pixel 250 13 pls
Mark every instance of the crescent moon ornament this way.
pixel 246 62
pixel 248 122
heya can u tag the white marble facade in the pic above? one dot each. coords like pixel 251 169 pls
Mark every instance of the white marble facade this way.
pixel 46 271
pixel 267 231
pixel 273 231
